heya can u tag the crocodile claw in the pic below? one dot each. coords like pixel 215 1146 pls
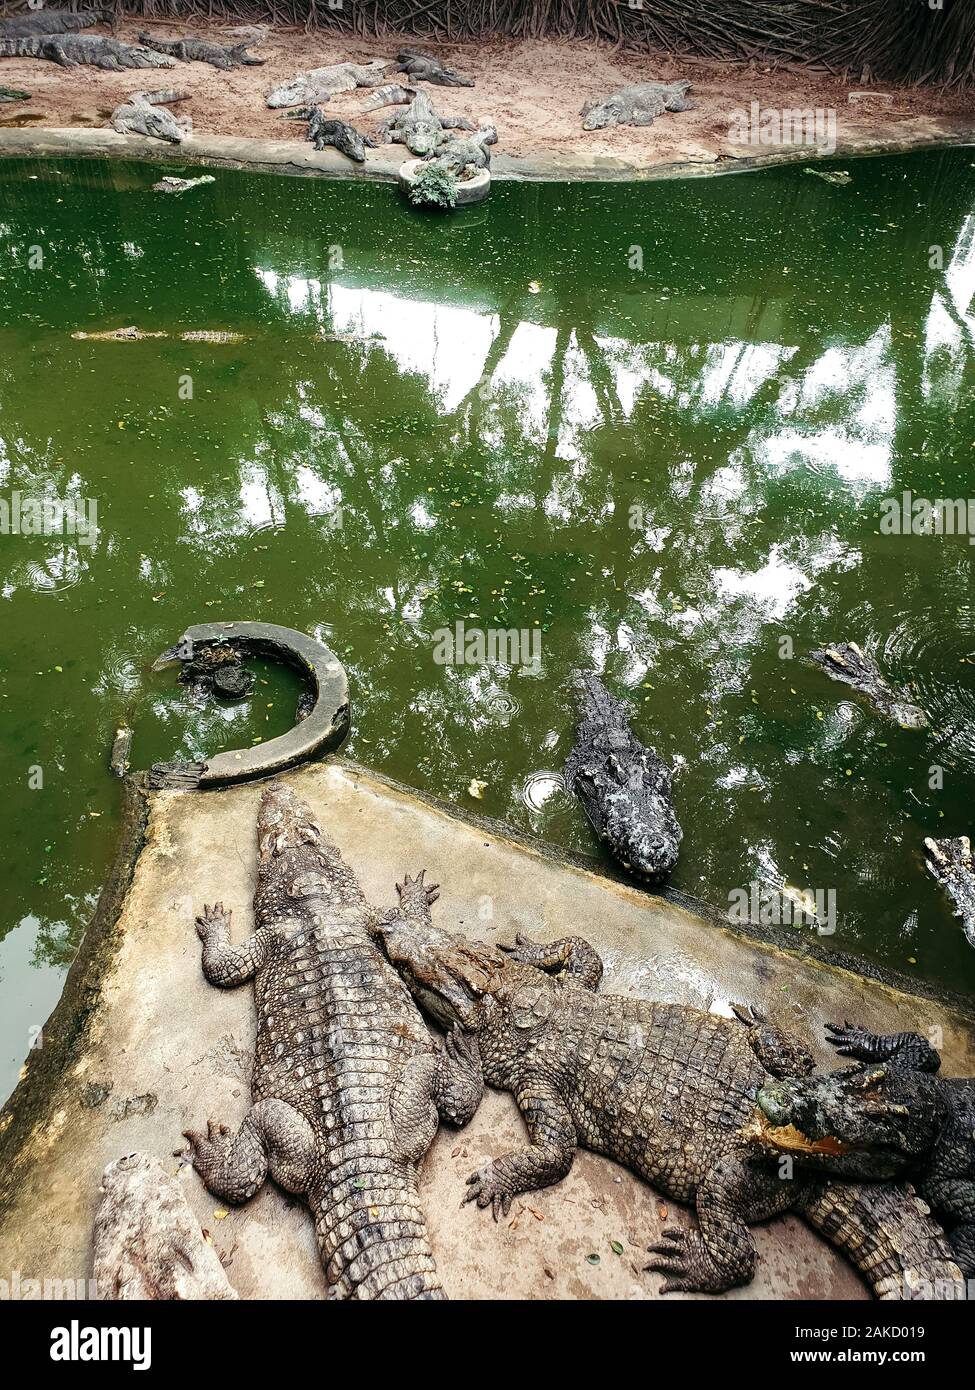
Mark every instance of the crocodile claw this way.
pixel 682 1257
pixel 488 1188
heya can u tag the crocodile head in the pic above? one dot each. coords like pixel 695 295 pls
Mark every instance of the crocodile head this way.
pixel 454 980
pixel 871 1122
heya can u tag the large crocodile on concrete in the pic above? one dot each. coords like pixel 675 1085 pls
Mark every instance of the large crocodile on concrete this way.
pixel 847 663
pixel 419 127
pixel 624 787
pixel 638 104
pixel 663 1088
pixel 892 1116
pixel 420 67
pixel 90 50
pixel 53 22
pixel 348 1083
pixel 318 84
pixel 144 113
pixel 950 862
pixel 202 51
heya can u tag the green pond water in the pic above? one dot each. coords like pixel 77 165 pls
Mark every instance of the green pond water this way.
pixel 654 423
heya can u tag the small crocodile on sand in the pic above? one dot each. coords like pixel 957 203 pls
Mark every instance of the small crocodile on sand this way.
pixel 419 127
pixel 144 113
pixel 318 84
pixel 202 51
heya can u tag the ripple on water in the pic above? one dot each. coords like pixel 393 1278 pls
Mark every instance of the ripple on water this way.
pixel 539 789
pixel 51 576
pixel 933 654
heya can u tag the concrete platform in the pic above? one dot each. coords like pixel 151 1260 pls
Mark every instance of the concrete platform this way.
pixel 141 1047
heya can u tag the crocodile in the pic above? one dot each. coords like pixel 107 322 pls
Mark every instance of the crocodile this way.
pixel 891 1116
pixel 132 334
pixel 465 155
pixel 847 663
pixel 638 104
pixel 89 50
pixel 950 862
pixel 217 670
pixel 663 1088
pixel 348 1082
pixel 12 94
pixel 144 113
pixel 419 127
pixel 625 788
pixel 318 84
pixel 178 186
pixel 53 22
pixel 324 131
pixel 202 51
pixel 390 94
pixel 422 68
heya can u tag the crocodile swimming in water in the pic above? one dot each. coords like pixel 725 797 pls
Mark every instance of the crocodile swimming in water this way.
pixel 318 84
pixel 663 1088
pixel 202 51
pixel 950 862
pixel 638 104
pixel 847 663
pixel 53 22
pixel 419 127
pixel 890 1117
pixel 625 788
pixel 348 1082
pixel 420 67
pixel 89 50
pixel 144 113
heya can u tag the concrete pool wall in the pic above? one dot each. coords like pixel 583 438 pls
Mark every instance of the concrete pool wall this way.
pixel 140 1048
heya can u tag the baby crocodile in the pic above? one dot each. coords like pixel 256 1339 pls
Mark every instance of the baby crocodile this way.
pixel 889 1117
pixel 348 1084
pixel 662 1088
pixel 847 663
pixel 639 104
pixel 202 51
pixel 625 789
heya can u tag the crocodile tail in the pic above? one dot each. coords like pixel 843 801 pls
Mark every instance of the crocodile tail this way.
pixel 371 1233
pixel 888 1234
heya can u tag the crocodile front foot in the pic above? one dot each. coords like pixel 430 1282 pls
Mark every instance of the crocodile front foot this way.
pixel 491 1186
pixel 683 1258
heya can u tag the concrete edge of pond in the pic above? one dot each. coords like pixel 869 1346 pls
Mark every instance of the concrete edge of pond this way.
pixel 292 157
pixel 789 940
pixel 140 1047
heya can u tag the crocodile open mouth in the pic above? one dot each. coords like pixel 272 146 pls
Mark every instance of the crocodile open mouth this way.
pixel 789 1139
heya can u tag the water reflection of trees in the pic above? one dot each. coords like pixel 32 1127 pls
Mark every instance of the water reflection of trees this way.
pixel 684 468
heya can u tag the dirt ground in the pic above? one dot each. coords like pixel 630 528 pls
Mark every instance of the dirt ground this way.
pixel 533 90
